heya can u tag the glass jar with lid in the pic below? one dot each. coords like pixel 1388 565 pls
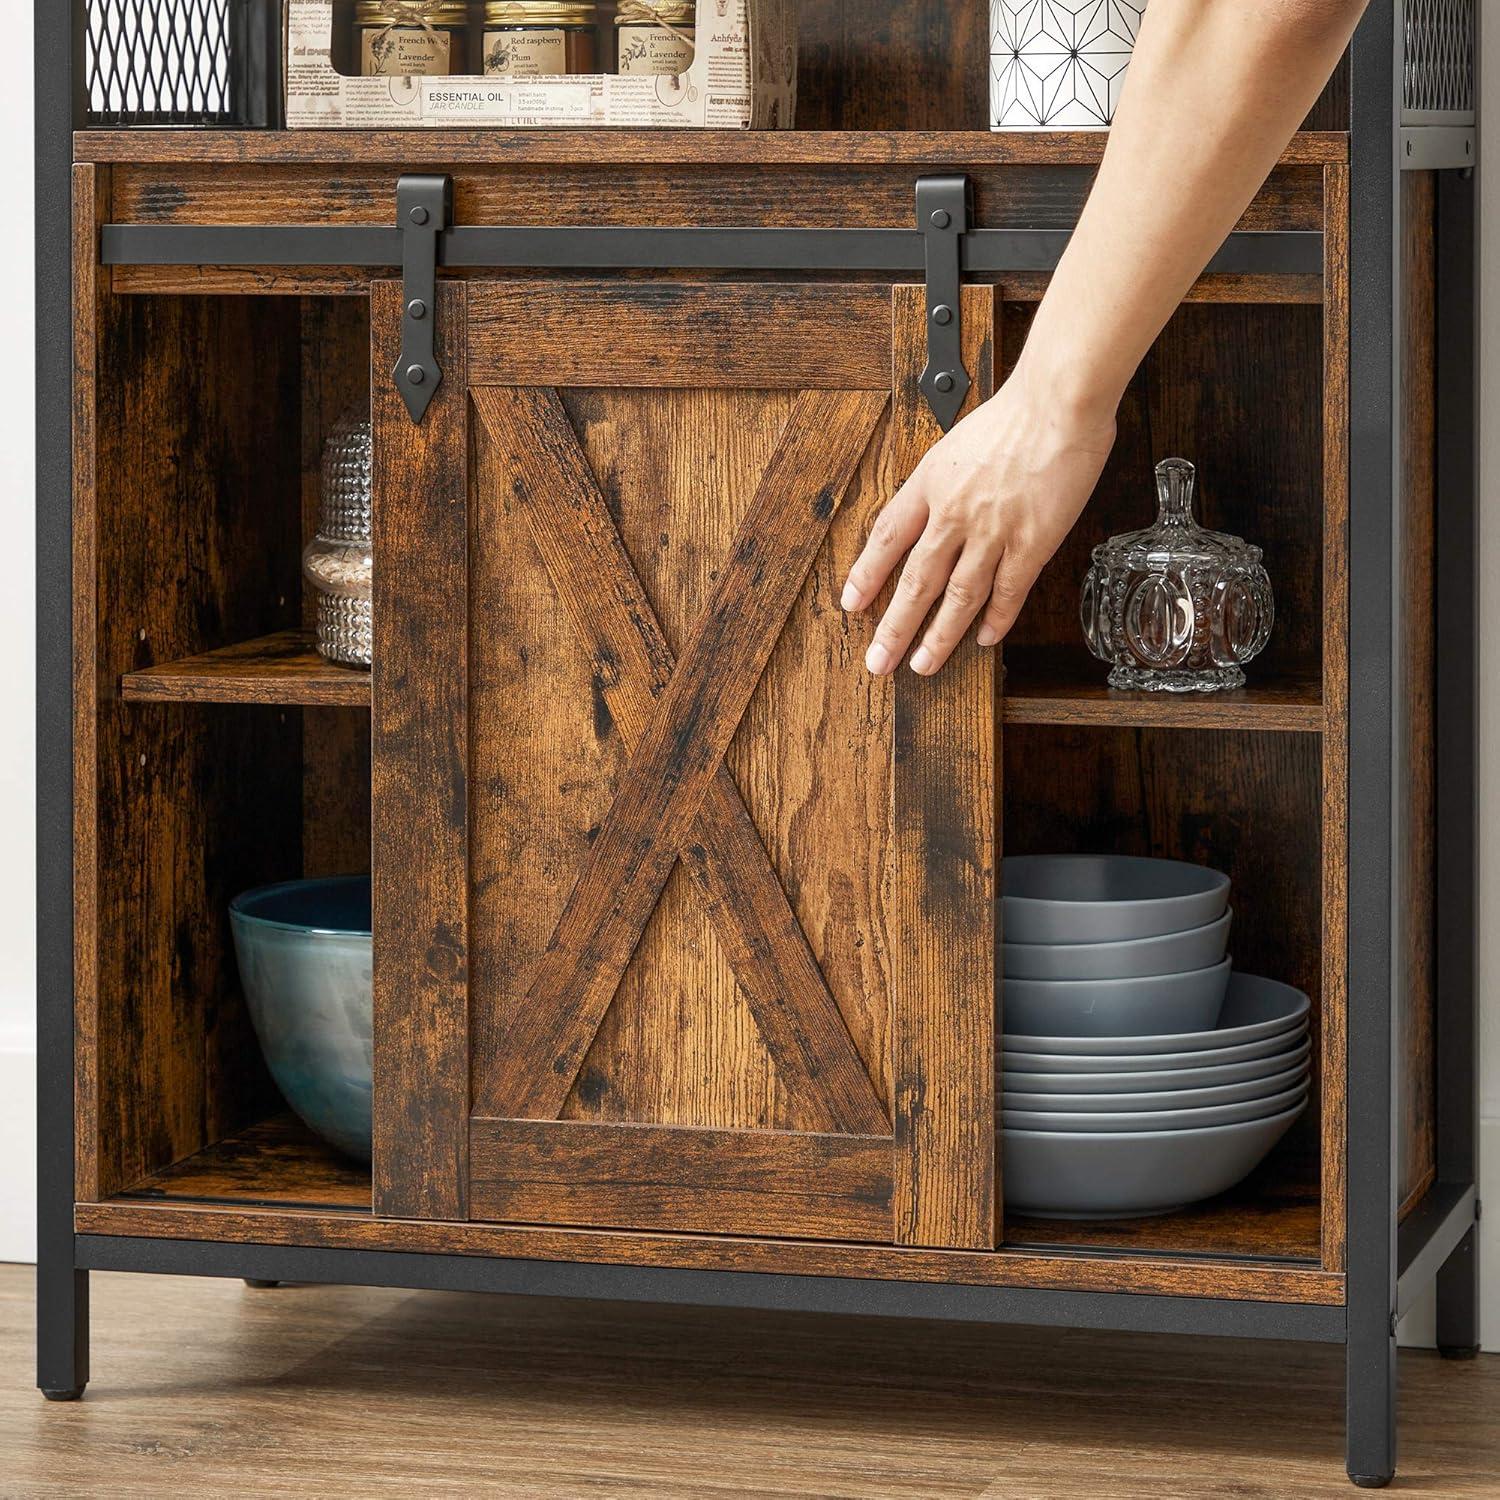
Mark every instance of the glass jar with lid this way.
pixel 539 38
pixel 656 36
pixel 412 38
pixel 1177 608
pixel 339 561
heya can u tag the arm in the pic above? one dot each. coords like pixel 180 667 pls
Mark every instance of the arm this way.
pixel 1216 89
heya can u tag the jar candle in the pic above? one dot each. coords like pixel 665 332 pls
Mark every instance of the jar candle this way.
pixel 539 39
pixel 412 38
pixel 656 36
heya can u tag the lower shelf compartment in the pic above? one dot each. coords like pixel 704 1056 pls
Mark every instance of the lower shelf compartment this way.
pixel 277 1163
pixel 275 1183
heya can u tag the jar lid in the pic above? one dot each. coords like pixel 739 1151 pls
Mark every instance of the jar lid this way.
pixel 412 12
pixel 538 13
pixel 649 12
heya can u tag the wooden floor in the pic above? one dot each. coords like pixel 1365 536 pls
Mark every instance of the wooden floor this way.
pixel 209 1389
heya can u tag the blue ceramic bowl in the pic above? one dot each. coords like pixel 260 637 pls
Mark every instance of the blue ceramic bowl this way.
pixel 304 952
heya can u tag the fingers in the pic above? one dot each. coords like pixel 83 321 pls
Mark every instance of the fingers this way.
pixel 895 532
pixel 968 591
pixel 924 577
pixel 1013 583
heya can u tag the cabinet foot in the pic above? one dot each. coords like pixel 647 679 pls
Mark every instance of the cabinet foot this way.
pixel 1372 1481
pixel 71 1393
pixel 261 1286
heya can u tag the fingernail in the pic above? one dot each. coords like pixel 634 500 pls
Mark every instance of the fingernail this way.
pixel 988 636
pixel 921 662
pixel 852 598
pixel 878 660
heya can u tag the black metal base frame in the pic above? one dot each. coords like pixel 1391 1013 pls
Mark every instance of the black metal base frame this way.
pixel 754 1290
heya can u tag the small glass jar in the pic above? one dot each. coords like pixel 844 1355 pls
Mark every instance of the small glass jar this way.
pixel 656 36
pixel 1176 608
pixel 339 561
pixel 413 38
pixel 539 39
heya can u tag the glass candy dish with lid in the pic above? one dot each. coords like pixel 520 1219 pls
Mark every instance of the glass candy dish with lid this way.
pixel 1176 608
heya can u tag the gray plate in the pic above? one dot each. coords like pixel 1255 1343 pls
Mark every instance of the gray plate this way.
pixel 1116 1007
pixel 1177 952
pixel 1255 1010
pixel 1185 1098
pixel 1104 1176
pixel 1147 1081
pixel 1106 898
pixel 1138 1122
pixel 1147 1062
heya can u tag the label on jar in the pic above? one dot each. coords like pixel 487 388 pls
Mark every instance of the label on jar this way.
pixel 649 48
pixel 514 53
pixel 405 51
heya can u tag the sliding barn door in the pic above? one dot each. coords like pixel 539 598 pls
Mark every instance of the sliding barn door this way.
pixel 683 922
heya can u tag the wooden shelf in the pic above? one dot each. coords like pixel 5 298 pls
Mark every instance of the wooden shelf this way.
pixel 1274 1215
pixel 278 1163
pixel 275 1183
pixel 1044 686
pixel 636 147
pixel 282 668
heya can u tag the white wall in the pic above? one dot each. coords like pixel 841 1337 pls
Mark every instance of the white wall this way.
pixel 17 822
pixel 17 830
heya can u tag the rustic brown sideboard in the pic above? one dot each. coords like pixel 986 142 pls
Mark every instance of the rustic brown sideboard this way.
pixel 755 925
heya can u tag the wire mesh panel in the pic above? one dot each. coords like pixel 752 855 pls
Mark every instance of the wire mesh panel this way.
pixel 179 62
pixel 1438 72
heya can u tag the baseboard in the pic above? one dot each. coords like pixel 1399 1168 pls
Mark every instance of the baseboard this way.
pixel 18 1159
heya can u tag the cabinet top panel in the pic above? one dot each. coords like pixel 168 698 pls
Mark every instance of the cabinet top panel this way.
pixel 415 148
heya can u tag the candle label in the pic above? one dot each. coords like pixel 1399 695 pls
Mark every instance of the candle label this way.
pixel 405 51
pixel 649 48
pixel 513 53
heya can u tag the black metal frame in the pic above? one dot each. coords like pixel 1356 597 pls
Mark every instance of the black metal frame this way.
pixel 1385 1271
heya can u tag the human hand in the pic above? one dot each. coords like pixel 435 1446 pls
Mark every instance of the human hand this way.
pixel 977 522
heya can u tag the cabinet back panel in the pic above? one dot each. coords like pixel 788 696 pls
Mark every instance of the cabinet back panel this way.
pixel 193 528
pixel 1247 803
pixel 1238 391
pixel 335 347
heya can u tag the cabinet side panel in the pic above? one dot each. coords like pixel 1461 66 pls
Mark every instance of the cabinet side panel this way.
pixel 893 67
pixel 1416 984
pixel 419 780
pixel 187 535
pixel 1335 767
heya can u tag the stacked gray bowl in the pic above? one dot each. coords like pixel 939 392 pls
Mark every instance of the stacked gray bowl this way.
pixel 1139 1073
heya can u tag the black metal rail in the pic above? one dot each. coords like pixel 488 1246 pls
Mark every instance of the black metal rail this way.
pixel 600 248
pixel 1143 1313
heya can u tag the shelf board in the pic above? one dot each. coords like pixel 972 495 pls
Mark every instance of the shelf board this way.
pixel 283 668
pixel 278 1163
pixel 1046 686
pixel 279 1166
pixel 635 147
pixel 1274 1215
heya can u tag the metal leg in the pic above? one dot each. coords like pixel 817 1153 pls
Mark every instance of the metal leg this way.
pixel 62 1330
pixel 1371 1432
pixel 1458 1301
pixel 260 1286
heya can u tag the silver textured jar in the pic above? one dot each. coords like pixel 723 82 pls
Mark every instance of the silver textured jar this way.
pixel 339 561
pixel 1176 608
